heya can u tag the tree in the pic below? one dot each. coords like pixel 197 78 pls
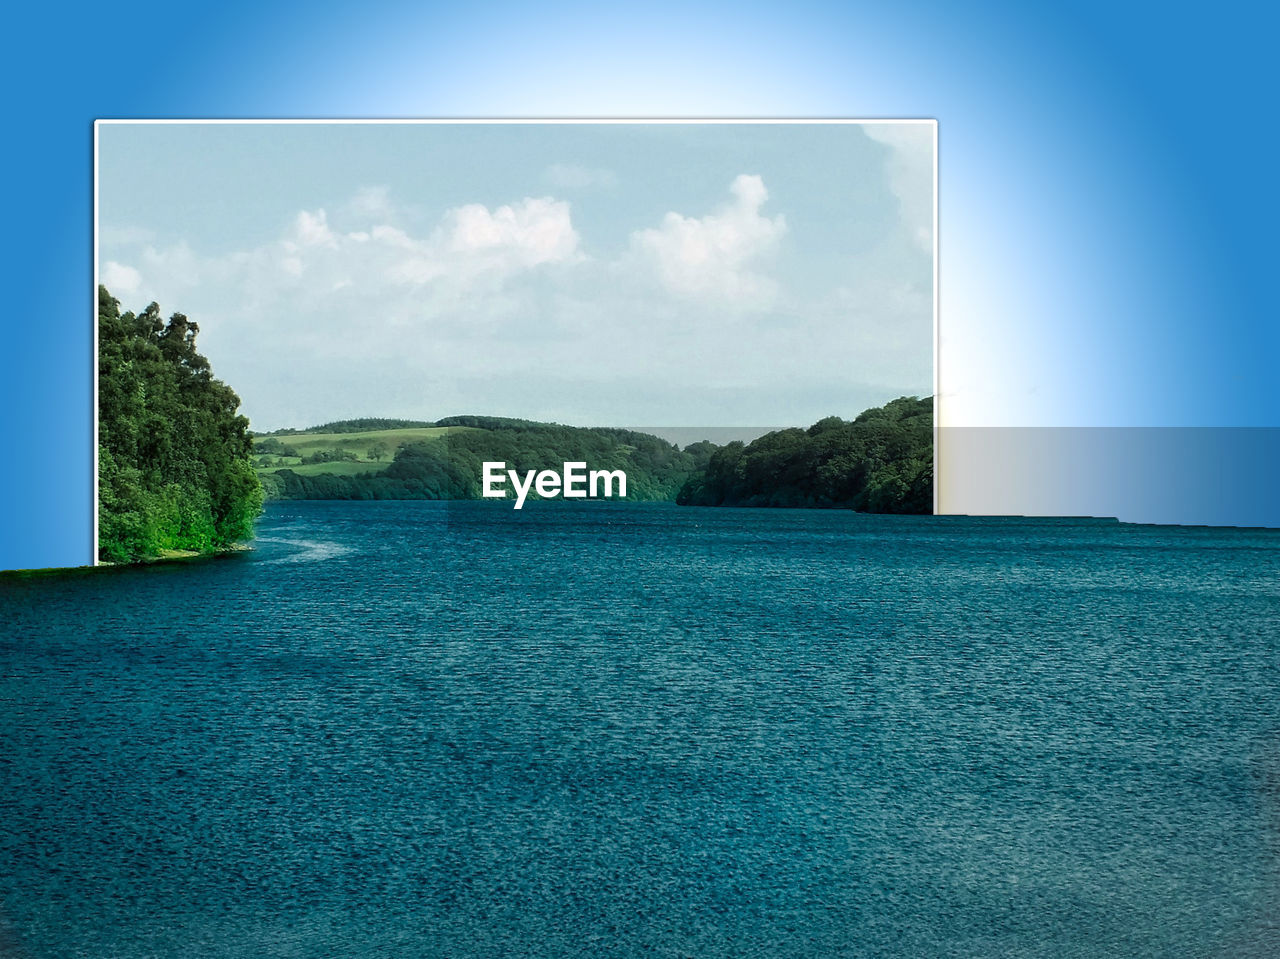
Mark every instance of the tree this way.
pixel 881 462
pixel 174 453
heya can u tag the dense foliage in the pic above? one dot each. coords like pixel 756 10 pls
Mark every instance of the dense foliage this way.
pixel 450 467
pixel 275 446
pixel 881 462
pixel 493 423
pixel 330 456
pixel 173 453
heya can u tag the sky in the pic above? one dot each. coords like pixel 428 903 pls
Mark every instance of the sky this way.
pixel 590 274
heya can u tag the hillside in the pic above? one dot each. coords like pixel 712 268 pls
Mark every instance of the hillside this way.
pixel 444 461
pixel 371 449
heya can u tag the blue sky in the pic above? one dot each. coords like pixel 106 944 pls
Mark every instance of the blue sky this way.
pixel 657 274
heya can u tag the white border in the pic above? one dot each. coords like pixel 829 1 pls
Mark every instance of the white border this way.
pixel 528 121
pixel 937 300
pixel 94 314
pixel 519 121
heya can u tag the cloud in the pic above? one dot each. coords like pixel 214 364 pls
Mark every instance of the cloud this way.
pixel 531 232
pixel 312 229
pixel 177 265
pixel 121 280
pixel 716 257
pixel 473 241
pixel 575 176
pixel 500 309
pixel 380 277
pixel 469 242
pixel 909 166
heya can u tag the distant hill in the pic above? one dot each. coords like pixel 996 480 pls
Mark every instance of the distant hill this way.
pixel 881 461
pixel 368 424
pixel 444 461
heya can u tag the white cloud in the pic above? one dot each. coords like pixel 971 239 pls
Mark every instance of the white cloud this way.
pixel 378 277
pixel 312 229
pixel 717 257
pixel 531 232
pixel 473 241
pixel 177 265
pixel 575 176
pixel 909 166
pixel 121 280
pixel 469 242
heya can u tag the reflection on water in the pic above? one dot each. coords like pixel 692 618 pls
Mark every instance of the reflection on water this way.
pixel 304 550
pixel 618 729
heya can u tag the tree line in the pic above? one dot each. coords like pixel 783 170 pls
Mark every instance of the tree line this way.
pixel 880 462
pixel 362 425
pixel 450 466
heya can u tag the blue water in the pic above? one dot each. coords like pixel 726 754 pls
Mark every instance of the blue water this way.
pixel 423 729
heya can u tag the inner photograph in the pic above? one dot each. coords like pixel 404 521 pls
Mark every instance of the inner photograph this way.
pixel 373 311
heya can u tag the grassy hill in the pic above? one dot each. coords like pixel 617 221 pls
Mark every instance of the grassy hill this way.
pixel 371 450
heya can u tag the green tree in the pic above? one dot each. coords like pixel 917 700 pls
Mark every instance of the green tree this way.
pixel 881 462
pixel 174 454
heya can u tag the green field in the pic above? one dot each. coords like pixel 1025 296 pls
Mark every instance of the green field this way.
pixel 359 443
pixel 362 445
pixel 342 468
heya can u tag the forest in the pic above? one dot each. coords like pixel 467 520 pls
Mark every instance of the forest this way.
pixel 174 453
pixel 448 466
pixel 880 462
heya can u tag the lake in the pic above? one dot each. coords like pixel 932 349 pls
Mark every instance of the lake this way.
pixel 415 729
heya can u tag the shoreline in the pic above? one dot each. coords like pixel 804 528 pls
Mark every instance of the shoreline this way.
pixel 166 557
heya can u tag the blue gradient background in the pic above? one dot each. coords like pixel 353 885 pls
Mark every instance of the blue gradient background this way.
pixel 1106 191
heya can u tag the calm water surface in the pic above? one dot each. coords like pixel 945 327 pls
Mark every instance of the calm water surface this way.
pixel 419 729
